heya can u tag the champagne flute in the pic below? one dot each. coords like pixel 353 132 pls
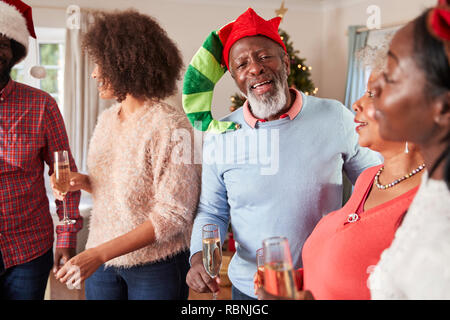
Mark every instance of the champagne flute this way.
pixel 212 251
pixel 279 278
pixel 62 175
pixel 260 266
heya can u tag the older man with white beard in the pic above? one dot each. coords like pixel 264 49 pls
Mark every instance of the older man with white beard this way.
pixel 313 140
pixel 268 105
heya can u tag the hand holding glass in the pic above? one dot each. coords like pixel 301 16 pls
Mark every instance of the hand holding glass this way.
pixel 212 251
pixel 62 179
pixel 279 278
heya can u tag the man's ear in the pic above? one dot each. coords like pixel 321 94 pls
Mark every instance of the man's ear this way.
pixel 287 62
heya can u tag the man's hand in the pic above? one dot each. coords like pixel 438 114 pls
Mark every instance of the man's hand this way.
pixel 62 255
pixel 198 279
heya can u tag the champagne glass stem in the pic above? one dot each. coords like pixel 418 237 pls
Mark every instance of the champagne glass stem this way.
pixel 214 295
pixel 66 220
pixel 65 210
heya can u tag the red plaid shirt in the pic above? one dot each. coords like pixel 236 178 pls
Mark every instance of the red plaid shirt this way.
pixel 31 129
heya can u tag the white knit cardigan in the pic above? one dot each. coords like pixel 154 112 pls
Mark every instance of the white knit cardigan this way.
pixel 134 179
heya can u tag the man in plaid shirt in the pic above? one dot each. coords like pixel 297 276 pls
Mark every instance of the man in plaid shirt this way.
pixel 31 129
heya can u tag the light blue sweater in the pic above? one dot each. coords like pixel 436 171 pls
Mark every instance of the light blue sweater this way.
pixel 277 179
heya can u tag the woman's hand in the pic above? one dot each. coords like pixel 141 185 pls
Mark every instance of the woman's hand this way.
pixel 299 295
pixel 80 267
pixel 257 282
pixel 78 181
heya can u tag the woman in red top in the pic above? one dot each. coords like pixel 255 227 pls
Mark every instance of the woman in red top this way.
pixel 345 244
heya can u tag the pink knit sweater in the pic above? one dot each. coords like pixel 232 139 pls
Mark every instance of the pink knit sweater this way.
pixel 134 178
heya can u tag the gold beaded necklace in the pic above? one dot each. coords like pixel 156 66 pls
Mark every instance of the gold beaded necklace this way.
pixel 393 183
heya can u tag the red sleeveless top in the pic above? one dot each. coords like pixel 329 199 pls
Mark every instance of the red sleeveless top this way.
pixel 338 255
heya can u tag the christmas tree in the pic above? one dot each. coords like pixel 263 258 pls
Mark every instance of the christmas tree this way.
pixel 299 77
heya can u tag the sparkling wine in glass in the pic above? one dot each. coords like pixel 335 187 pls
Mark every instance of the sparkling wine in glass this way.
pixel 260 266
pixel 62 175
pixel 279 277
pixel 212 251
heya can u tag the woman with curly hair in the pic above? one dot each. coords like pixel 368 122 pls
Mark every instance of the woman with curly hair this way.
pixel 144 202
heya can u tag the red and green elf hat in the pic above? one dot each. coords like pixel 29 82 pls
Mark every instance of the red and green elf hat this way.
pixel 210 63
pixel 246 25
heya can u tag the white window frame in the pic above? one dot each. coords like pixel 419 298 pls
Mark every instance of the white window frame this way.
pixel 44 36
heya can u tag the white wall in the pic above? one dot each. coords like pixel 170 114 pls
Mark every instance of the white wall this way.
pixel 335 41
pixel 316 27
pixel 188 22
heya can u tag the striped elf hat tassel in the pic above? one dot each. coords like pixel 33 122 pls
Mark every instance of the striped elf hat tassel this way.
pixel 210 63
pixel 204 71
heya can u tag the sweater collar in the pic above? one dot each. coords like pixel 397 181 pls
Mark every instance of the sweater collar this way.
pixel 291 114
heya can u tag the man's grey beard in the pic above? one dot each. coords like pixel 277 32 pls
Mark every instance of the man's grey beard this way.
pixel 268 105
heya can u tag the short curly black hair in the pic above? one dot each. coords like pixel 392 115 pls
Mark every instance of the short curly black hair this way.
pixel 134 54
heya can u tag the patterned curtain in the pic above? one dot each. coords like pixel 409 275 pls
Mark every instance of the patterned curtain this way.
pixel 356 82
pixel 82 104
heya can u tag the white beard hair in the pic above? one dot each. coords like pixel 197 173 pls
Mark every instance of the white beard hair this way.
pixel 271 105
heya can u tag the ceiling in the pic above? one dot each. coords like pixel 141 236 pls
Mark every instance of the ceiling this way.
pixel 289 4
pixel 306 5
pixel 277 3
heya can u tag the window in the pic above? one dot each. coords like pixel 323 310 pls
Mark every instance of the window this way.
pixel 48 52
pixel 51 57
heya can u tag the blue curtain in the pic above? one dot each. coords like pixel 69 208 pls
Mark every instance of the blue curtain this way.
pixel 355 86
pixel 355 73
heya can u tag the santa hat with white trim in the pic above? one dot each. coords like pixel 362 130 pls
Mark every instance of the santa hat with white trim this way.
pixel 16 22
